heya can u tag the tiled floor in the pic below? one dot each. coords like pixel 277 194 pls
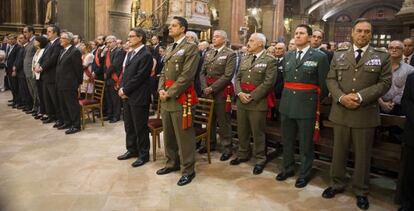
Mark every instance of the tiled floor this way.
pixel 43 169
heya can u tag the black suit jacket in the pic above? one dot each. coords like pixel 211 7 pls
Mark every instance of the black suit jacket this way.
pixel 136 83
pixel 407 102
pixel 11 58
pixel 18 63
pixel 279 79
pixel 117 58
pixel 98 64
pixel 48 62
pixel 412 61
pixel 69 70
pixel 328 53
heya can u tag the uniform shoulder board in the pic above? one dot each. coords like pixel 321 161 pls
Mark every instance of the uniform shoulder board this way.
pixel 382 49
pixel 345 48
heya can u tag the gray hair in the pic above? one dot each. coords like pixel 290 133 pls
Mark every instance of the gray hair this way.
pixel 261 37
pixel 401 44
pixel 221 33
pixel 192 35
pixel 69 34
pixel 110 37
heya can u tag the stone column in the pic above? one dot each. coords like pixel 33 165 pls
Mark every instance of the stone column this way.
pixel 17 14
pixel 238 11
pixel 406 15
pixel 279 17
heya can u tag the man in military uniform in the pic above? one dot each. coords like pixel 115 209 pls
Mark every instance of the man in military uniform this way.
pixel 304 86
pixel 177 95
pixel 254 84
pixel 215 78
pixel 358 77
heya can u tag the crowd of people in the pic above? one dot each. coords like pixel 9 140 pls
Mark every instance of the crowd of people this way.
pixel 48 74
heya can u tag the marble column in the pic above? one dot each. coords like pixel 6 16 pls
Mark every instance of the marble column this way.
pixel 273 20
pixel 279 14
pixel 238 11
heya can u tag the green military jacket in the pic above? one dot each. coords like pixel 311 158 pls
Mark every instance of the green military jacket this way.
pixel 371 78
pixel 311 69
pixel 180 65
pixel 261 73
pixel 220 66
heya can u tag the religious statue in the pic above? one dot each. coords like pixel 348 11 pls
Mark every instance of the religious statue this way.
pixel 51 12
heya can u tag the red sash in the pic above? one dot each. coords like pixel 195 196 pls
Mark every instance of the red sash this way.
pixel 303 86
pixel 114 76
pixel 188 98
pixel 228 91
pixel 97 53
pixel 87 72
pixel 271 99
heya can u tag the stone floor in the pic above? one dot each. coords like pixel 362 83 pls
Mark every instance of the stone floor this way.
pixel 41 168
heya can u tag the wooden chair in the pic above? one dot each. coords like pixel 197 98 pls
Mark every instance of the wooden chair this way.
pixel 155 126
pixel 95 103
pixel 202 119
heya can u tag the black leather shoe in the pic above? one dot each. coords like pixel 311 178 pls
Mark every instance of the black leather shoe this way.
pixel 113 120
pixel 362 202
pixel 258 169
pixel 166 170
pixel 14 106
pixel 225 156
pixel 44 118
pixel 48 120
pixel 11 104
pixel 58 124
pixel 127 155
pixel 63 126
pixel 237 161
pixel 184 180
pixel 284 175
pixel 72 130
pixel 10 101
pixel 21 107
pixel 330 192
pixel 301 182
pixel 38 116
pixel 139 162
pixel 203 149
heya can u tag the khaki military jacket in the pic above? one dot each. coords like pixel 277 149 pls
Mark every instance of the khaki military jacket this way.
pixel 221 66
pixel 180 65
pixel 371 78
pixel 261 73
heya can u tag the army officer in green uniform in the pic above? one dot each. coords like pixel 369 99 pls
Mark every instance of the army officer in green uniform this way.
pixel 359 75
pixel 304 86
pixel 177 95
pixel 216 74
pixel 255 78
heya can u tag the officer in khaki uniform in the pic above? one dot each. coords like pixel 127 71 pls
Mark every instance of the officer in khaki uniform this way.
pixel 176 91
pixel 216 74
pixel 304 86
pixel 255 78
pixel 358 77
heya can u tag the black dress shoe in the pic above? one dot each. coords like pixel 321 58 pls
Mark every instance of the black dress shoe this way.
pixel 258 169
pixel 166 170
pixel 63 126
pixel 184 180
pixel 44 118
pixel 14 106
pixel 127 155
pixel 284 175
pixel 139 162
pixel 203 149
pixel 30 111
pixel 58 124
pixel 225 156
pixel 48 120
pixel 11 104
pixel 301 182
pixel 38 116
pixel 21 107
pixel 237 161
pixel 72 130
pixel 330 192
pixel 362 202
pixel 10 101
pixel 113 120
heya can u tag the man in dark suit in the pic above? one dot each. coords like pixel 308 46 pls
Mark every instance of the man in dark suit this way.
pixel 23 90
pixel 408 57
pixel 155 41
pixel 305 71
pixel 47 69
pixel 12 50
pixel 97 64
pixel 407 184
pixel 316 42
pixel 69 75
pixel 114 57
pixel 29 52
pixel 136 92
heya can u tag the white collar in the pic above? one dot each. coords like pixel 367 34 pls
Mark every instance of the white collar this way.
pixel 136 50
pixel 221 48
pixel 364 49
pixel 180 40
pixel 53 41
pixel 259 54
pixel 68 47
pixel 304 50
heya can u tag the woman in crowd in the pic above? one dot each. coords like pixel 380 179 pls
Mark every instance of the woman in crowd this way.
pixel 87 58
pixel 40 43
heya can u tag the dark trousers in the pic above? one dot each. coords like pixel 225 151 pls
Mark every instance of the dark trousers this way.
pixel 69 107
pixel 14 88
pixel 113 103
pixel 407 182
pixel 136 128
pixel 51 101
pixel 24 94
pixel 303 129
pixel 42 108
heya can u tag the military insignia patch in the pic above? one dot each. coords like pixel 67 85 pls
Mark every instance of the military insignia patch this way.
pixel 310 64
pixel 179 53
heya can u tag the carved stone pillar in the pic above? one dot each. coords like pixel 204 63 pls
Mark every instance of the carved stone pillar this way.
pixel 406 13
pixel 273 21
pixel 17 14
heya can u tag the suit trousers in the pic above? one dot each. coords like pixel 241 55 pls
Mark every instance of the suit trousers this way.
pixel 42 106
pixel 70 108
pixel 362 140
pixel 223 119
pixel 24 93
pixel 251 124
pixel 136 129
pixel 113 102
pixel 407 183
pixel 31 83
pixel 303 130
pixel 51 101
pixel 2 77
pixel 14 88
pixel 180 144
